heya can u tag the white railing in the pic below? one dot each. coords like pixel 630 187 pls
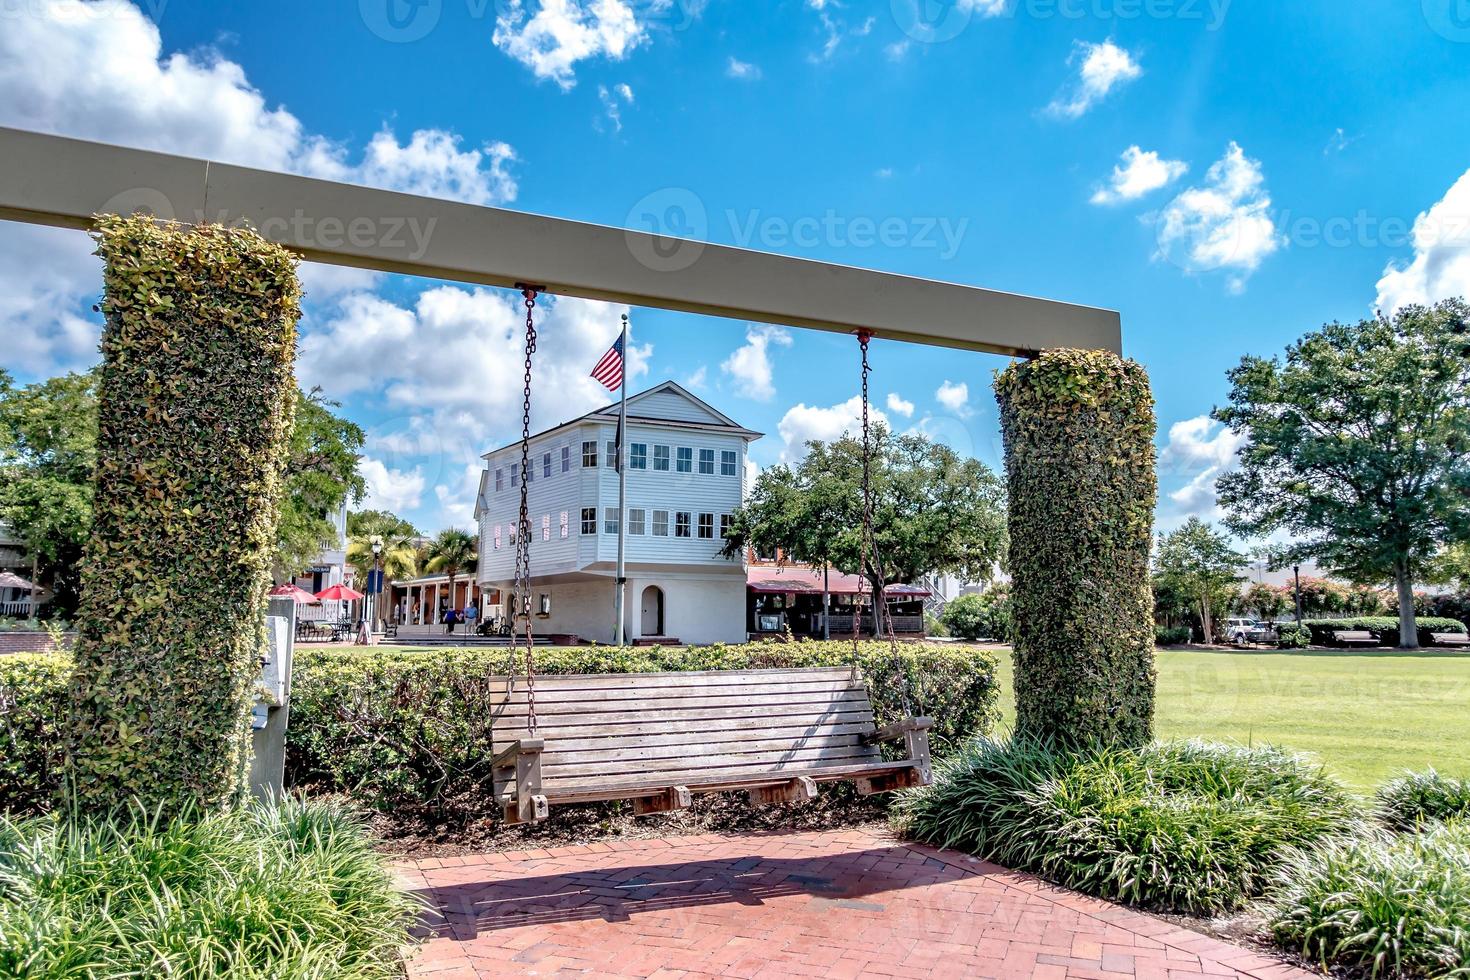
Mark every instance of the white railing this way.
pixel 21 608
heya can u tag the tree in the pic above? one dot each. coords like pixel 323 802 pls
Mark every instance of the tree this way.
pixel 399 555
pixel 1357 446
pixel 321 476
pixel 933 512
pixel 48 449
pixel 1198 562
pixel 452 552
pixel 1266 601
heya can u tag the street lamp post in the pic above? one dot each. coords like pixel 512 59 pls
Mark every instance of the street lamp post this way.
pixel 376 543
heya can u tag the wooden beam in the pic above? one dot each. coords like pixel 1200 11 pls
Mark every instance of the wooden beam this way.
pixel 59 181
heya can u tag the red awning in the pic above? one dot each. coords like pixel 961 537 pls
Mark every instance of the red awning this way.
pixel 798 578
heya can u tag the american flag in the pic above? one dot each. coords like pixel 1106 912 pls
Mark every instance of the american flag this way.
pixel 609 370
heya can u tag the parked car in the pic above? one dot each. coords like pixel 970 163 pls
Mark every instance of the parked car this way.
pixel 1241 631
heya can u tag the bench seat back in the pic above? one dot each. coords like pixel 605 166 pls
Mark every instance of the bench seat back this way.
pixel 610 735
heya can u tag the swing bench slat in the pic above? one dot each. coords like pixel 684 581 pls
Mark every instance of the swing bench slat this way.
pixel 657 739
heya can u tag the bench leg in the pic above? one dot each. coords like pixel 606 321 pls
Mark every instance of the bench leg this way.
pixel 529 805
pixel 673 798
pixel 799 789
pixel 890 781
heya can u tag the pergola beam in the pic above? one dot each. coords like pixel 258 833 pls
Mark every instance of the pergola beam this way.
pixel 59 181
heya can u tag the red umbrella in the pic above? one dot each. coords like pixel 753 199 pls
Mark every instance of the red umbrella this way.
pixel 339 592
pixel 292 591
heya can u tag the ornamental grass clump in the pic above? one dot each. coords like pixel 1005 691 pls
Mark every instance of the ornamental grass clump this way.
pixel 1383 904
pixel 1182 827
pixel 265 891
pixel 1421 797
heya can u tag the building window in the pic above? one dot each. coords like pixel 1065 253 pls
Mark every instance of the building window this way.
pixel 610 520
pixel 497 537
pixel 612 455
pixel 638 456
pixel 545 527
pixel 543 605
pixel 707 462
pixel 566 459
pixel 515 474
pixel 706 525
pixel 563 523
pixel 589 454
pixel 725 522
pixel 500 479
pixel 661 458
pixel 546 464
pixel 729 463
pixel 681 524
pixel 635 520
pixel 510 533
pixel 685 459
pixel 589 520
pixel 660 523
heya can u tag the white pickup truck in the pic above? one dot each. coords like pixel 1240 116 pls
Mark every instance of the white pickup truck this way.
pixel 1244 631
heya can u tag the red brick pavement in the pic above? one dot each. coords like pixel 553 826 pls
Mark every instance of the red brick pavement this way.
pixel 837 904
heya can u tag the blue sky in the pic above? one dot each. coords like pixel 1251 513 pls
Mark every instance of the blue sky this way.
pixel 1227 175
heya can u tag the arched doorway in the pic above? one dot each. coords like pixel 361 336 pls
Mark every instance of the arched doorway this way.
pixel 653 612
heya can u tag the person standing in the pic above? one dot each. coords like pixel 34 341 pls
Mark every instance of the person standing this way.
pixel 449 621
pixel 471 614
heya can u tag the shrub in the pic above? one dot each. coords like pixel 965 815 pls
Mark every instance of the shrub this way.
pixel 33 703
pixel 1172 636
pixel 1293 637
pixel 195 402
pixel 981 616
pixel 1385 628
pixel 1079 429
pixel 1183 827
pixel 293 890
pixel 1384 904
pixel 399 728
pixel 1419 797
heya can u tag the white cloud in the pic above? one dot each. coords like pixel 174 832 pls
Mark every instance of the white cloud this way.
pixel 749 367
pixel 955 397
pixel 64 69
pixel 743 70
pixel 883 173
pixel 898 406
pixel 1200 441
pixel 699 380
pixel 390 489
pixel 805 423
pixel 613 101
pixel 898 50
pixel 1103 68
pixel 835 28
pixel 1140 173
pixel 1440 267
pixel 561 33
pixel 1224 224
pixel 1198 498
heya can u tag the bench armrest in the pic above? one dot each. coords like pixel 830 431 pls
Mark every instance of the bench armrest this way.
pixel 898 730
pixel 526 746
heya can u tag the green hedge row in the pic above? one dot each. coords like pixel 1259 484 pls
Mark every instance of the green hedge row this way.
pixel 1386 628
pixel 33 703
pixel 414 728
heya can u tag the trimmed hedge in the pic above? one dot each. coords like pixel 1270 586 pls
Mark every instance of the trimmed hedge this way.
pixel 397 728
pixel 1079 442
pixel 195 403
pixel 1386 628
pixel 1172 636
pixel 33 705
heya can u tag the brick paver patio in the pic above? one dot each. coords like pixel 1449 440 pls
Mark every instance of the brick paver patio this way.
pixel 834 904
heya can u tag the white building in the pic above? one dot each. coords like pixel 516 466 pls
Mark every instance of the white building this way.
pixel 686 465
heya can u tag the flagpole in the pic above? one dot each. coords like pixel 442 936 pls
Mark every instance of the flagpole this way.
pixel 622 583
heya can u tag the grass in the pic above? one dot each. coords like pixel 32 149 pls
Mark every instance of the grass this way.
pixel 1366 716
pixel 289 892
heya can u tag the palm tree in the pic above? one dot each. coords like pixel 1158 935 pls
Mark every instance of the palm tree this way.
pixel 452 552
pixel 399 557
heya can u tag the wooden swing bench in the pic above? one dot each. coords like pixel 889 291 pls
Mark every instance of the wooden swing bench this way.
pixel 657 739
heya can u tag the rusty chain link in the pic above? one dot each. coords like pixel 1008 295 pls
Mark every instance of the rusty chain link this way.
pixel 521 596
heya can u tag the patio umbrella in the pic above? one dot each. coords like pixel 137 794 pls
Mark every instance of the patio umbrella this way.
pixel 293 591
pixel 10 580
pixel 340 592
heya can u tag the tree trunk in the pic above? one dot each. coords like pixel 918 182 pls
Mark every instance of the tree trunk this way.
pixel 1408 626
pixel 35 581
pixel 1205 619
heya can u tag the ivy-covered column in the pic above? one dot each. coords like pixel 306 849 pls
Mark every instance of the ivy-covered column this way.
pixel 195 406
pixel 1079 443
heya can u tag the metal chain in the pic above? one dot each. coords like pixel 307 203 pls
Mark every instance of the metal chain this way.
pixel 521 596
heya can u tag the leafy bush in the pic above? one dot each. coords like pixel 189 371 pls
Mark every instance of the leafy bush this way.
pixel 1184 827
pixel 1293 637
pixel 1078 428
pixel 1392 905
pixel 981 616
pixel 33 702
pixel 195 399
pixel 261 891
pixel 1385 628
pixel 1419 797
pixel 401 728
pixel 1172 636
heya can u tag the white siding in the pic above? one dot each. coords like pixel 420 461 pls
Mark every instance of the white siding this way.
pixel 672 406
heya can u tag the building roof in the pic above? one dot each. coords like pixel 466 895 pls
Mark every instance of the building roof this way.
pixel 799 578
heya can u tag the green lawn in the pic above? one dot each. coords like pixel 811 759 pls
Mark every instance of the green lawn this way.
pixel 1363 715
